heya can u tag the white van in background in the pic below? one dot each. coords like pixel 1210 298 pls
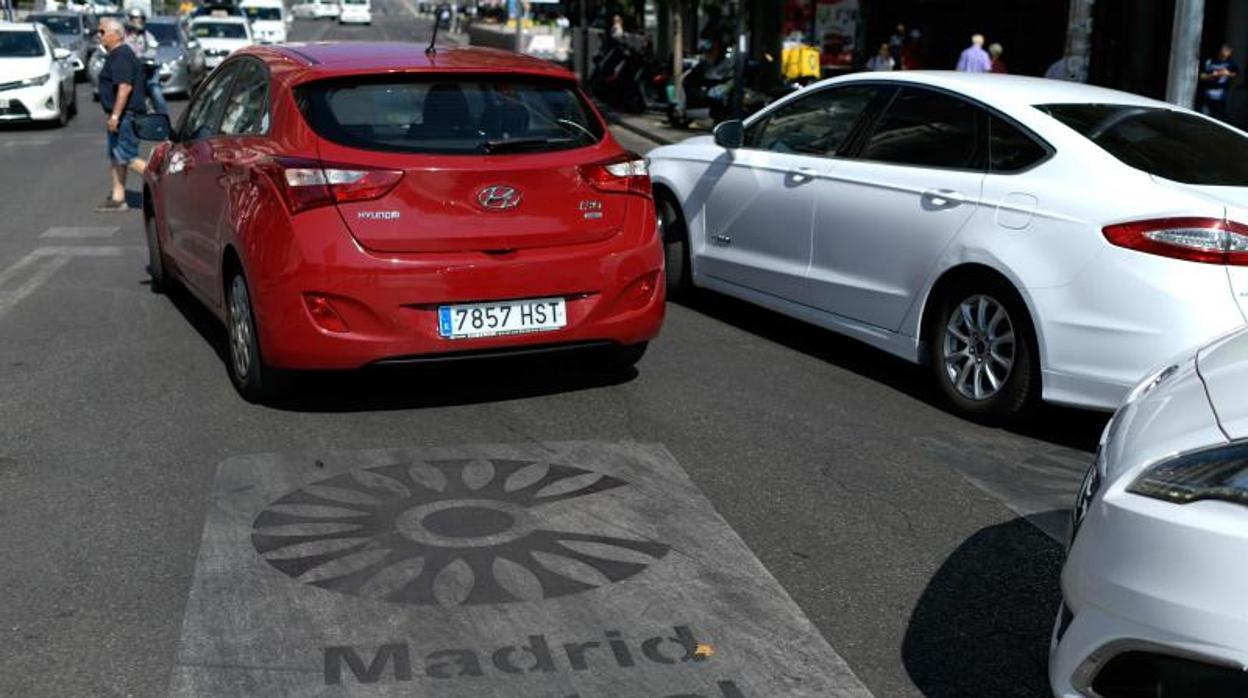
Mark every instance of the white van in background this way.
pixel 355 12
pixel 268 18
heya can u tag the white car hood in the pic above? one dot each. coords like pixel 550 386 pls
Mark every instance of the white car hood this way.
pixel 14 69
pixel 1224 368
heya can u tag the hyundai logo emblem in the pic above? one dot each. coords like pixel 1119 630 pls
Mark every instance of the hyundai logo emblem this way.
pixel 498 197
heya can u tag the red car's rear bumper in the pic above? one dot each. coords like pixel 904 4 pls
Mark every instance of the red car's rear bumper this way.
pixel 389 301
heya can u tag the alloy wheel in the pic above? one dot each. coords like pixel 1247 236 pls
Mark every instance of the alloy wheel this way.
pixel 240 328
pixel 978 350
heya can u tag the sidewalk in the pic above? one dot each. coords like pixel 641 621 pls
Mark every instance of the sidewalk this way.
pixel 652 126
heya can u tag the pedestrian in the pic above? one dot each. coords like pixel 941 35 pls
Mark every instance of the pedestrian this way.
pixel 144 44
pixel 122 97
pixel 1216 75
pixel 897 40
pixel 617 27
pixel 881 61
pixel 974 58
pixel 998 65
pixel 911 57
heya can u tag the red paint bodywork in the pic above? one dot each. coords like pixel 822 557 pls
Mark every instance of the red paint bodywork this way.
pixel 386 278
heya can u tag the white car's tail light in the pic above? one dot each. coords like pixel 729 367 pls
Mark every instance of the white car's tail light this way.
pixel 1213 473
pixel 308 184
pixel 629 174
pixel 1207 240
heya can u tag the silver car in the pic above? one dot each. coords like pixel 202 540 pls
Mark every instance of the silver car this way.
pixel 72 31
pixel 179 54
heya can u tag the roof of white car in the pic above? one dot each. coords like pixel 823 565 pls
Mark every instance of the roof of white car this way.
pixel 1015 90
pixel 16 27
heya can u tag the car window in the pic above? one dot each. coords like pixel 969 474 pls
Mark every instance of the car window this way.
pixel 263 13
pixel 453 115
pixel 1168 143
pixel 1010 149
pixel 219 30
pixel 247 110
pixel 926 128
pixel 205 113
pixel 815 124
pixel 58 24
pixel 166 33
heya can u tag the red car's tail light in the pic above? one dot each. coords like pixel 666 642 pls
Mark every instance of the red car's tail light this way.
pixel 1207 240
pixel 323 312
pixel 307 184
pixel 629 174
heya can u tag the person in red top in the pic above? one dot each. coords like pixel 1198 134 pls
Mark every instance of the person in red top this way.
pixel 998 65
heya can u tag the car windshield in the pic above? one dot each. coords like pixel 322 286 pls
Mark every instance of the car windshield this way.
pixel 20 44
pixel 59 25
pixel 166 34
pixel 355 2
pixel 450 115
pixel 219 30
pixel 263 13
pixel 1167 143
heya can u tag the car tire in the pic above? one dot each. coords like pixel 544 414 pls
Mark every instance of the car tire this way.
pixel 675 236
pixel 255 382
pixel 73 102
pixel 614 358
pixel 159 281
pixel 983 351
pixel 62 111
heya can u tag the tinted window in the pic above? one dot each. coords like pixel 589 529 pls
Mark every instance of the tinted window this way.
pixel 205 113
pixel 816 124
pixel 166 34
pixel 1171 144
pixel 19 44
pixel 926 128
pixel 1011 150
pixel 59 24
pixel 247 110
pixel 263 13
pixel 219 30
pixel 444 115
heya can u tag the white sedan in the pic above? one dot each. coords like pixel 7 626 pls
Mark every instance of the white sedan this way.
pixel 1153 588
pixel 36 75
pixel 1030 239
pixel 221 36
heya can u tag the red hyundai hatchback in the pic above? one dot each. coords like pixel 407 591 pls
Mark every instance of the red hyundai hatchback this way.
pixel 345 204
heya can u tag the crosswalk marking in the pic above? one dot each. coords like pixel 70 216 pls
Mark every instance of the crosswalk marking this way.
pixel 80 232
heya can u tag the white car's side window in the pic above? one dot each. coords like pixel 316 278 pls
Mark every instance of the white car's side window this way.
pixel 812 125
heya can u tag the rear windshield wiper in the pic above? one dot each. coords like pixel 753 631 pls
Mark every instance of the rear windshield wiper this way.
pixel 506 144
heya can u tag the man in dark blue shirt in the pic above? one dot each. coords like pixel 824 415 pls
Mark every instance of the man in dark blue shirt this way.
pixel 1216 75
pixel 122 96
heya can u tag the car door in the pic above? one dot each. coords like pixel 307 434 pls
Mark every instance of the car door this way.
pixel 190 184
pixel 237 150
pixel 915 179
pixel 760 212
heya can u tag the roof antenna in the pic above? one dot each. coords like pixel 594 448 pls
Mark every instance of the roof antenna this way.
pixel 437 22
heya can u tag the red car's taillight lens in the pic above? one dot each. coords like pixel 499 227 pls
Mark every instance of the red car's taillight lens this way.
pixel 629 174
pixel 1207 240
pixel 308 184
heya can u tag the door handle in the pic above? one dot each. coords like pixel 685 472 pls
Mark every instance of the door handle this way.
pixel 943 198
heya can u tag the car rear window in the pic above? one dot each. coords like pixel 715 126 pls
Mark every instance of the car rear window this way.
pixel 452 115
pixel 1164 142
pixel 219 30
pixel 263 14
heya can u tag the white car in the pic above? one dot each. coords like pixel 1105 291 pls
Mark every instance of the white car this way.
pixel 221 36
pixel 1029 239
pixel 355 12
pixel 316 9
pixel 36 75
pixel 268 20
pixel 1153 587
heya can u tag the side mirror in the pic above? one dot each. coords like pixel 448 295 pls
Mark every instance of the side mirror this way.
pixel 153 127
pixel 61 54
pixel 729 134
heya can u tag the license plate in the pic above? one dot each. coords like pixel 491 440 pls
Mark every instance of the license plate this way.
pixel 503 317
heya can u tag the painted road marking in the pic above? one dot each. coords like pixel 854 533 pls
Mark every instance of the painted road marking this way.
pixel 552 570
pixel 31 272
pixel 81 232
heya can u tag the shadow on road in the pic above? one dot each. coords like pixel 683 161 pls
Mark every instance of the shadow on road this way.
pixel 982 625
pixel 413 387
pixel 1069 427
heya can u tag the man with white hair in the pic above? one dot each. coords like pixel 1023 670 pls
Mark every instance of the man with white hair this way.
pixel 974 58
pixel 122 97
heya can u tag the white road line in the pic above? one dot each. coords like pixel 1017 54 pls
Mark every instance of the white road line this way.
pixel 81 232
pixel 46 261
pixel 39 278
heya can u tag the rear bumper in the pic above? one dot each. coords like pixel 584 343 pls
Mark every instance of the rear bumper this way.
pixel 389 301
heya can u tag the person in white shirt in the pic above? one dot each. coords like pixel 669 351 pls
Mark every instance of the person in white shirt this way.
pixel 882 61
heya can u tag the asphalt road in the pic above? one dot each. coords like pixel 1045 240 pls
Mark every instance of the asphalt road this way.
pixel 923 548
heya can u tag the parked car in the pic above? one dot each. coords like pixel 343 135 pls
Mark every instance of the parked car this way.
pixel 221 36
pixel 36 76
pixel 1153 584
pixel 372 216
pixel 181 58
pixel 72 31
pixel 355 12
pixel 1029 239
pixel 316 9
pixel 268 20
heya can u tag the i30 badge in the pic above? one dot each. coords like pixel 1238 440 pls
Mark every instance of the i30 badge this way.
pixel 498 197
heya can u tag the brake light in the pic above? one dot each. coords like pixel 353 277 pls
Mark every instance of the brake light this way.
pixel 308 184
pixel 1206 240
pixel 629 174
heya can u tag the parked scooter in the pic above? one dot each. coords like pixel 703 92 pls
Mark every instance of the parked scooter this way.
pixel 708 91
